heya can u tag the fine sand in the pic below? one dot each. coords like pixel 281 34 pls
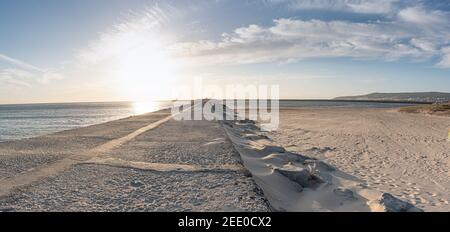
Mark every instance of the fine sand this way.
pixel 143 163
pixel 407 155
pixel 318 160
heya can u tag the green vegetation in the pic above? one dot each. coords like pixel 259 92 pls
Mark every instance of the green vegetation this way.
pixel 438 97
pixel 438 109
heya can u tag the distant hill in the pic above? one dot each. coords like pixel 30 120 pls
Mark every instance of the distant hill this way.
pixel 413 97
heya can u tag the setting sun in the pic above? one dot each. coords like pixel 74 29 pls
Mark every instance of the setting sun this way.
pixel 145 107
pixel 146 72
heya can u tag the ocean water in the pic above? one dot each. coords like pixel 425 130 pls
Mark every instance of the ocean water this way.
pixel 327 104
pixel 30 120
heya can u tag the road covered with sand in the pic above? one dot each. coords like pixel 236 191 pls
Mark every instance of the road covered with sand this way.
pixel 143 163
pixel 407 155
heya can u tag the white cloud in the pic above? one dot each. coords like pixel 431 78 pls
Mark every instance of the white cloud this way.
pixel 372 6
pixel 292 39
pixel 20 63
pixel 15 77
pixel 133 33
pixel 445 60
pixel 15 73
pixel 26 74
pixel 356 6
pixel 48 76
pixel 419 15
pixel 410 31
pixel 424 44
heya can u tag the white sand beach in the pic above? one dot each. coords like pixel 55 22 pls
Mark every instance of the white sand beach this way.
pixel 143 163
pixel 333 159
pixel 407 155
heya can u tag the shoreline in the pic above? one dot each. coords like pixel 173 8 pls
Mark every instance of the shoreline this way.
pixel 175 166
pixel 172 147
pixel 86 125
pixel 66 130
pixel 318 100
pixel 281 107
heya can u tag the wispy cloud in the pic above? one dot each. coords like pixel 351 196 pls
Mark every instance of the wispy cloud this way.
pixel 15 77
pixel 134 32
pixel 20 63
pixel 414 33
pixel 445 60
pixel 356 6
pixel 410 31
pixel 25 73
pixel 420 15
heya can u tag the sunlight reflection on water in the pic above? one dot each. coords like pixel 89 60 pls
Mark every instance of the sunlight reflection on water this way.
pixel 146 107
pixel 29 120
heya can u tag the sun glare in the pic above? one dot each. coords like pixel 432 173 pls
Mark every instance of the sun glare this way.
pixel 146 72
pixel 145 107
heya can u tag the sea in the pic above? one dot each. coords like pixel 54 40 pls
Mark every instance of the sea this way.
pixel 30 120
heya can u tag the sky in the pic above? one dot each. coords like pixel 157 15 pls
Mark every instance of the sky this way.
pixel 114 50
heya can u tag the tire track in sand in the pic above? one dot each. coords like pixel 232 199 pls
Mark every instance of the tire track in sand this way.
pixel 10 184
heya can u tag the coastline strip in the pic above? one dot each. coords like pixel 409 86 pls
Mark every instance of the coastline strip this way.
pixel 26 178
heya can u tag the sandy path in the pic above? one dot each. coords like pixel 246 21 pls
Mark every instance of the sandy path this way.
pixel 160 165
pixel 51 169
pixel 404 154
pixel 24 155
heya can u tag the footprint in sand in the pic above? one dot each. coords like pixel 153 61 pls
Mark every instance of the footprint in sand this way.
pixel 444 201
pixel 377 181
pixel 393 186
pixel 403 181
pixel 432 194
pixel 422 200
pixel 436 204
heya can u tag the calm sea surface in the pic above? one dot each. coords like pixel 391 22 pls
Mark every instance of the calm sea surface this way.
pixel 24 121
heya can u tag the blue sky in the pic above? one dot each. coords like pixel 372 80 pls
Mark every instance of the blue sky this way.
pixel 101 50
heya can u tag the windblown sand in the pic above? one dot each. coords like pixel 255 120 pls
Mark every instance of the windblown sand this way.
pixel 154 163
pixel 144 163
pixel 407 155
